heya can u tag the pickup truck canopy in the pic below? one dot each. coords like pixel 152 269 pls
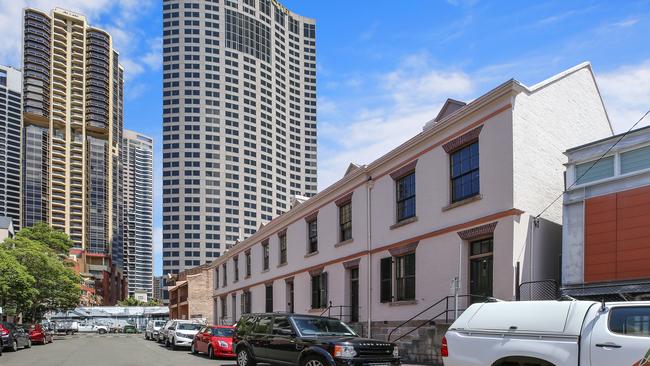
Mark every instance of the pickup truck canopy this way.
pixel 547 317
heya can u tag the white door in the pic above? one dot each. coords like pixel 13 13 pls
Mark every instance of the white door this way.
pixel 621 337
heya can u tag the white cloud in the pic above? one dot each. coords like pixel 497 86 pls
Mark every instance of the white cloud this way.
pixel 118 17
pixel 410 95
pixel 626 92
pixel 11 20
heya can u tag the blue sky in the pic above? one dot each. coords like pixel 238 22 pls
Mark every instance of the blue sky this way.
pixel 385 67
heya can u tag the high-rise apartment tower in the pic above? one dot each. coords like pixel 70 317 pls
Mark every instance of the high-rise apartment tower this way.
pixel 137 186
pixel 10 117
pixel 239 122
pixel 72 121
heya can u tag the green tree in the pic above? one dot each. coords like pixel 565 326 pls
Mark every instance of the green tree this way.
pixel 42 233
pixel 57 286
pixel 131 301
pixel 16 284
pixel 153 302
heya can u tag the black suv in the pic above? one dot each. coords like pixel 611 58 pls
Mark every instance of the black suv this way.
pixel 306 340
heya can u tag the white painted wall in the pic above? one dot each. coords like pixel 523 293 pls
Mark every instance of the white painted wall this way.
pixel 518 159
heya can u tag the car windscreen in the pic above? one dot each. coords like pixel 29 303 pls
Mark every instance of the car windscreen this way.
pixel 223 332
pixel 159 323
pixel 322 326
pixel 188 326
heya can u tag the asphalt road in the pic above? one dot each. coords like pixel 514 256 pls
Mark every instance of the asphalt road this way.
pixel 105 350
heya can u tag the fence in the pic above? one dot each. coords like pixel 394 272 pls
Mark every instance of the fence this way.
pixel 538 290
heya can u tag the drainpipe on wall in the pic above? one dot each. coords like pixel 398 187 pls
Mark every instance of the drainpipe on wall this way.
pixel 369 185
pixel 532 248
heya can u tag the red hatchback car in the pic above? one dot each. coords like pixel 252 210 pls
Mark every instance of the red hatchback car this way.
pixel 40 334
pixel 215 340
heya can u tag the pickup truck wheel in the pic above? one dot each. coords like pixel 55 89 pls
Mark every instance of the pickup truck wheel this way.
pixel 29 343
pixel 244 358
pixel 313 361
pixel 14 346
pixel 102 331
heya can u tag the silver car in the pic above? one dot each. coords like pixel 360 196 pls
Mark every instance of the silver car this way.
pixel 162 333
pixel 181 333
pixel 153 328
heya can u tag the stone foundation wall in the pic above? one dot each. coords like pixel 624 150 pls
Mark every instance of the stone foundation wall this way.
pixel 421 346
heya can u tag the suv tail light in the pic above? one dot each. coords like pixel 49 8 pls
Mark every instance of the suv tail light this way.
pixel 3 331
pixel 444 350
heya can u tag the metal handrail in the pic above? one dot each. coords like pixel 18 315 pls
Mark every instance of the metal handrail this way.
pixel 328 310
pixel 444 312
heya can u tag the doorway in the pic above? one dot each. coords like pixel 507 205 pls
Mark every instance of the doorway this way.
pixel 290 308
pixel 481 268
pixel 354 295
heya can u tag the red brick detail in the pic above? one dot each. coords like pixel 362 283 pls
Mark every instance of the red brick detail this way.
pixel 343 200
pixel 405 249
pixel 404 170
pixel 316 271
pixel 478 232
pixel 465 139
pixel 352 264
pixel 312 216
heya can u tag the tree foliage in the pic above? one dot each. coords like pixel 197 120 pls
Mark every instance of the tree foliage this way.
pixel 16 284
pixel 132 301
pixel 41 233
pixel 42 280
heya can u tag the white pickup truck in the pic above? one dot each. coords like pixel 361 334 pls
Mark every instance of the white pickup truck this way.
pixel 550 333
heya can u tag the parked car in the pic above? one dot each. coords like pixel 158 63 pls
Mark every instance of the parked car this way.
pixel 129 329
pixel 152 329
pixel 40 333
pixel 14 336
pixel 92 328
pixel 181 333
pixel 215 340
pixel 164 330
pixel 307 341
pixel 68 327
pixel 546 333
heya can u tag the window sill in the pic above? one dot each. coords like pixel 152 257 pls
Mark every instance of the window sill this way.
pixel 344 242
pixel 319 310
pixel 282 264
pixel 265 270
pixel 404 222
pixel 466 201
pixel 311 254
pixel 247 277
pixel 403 303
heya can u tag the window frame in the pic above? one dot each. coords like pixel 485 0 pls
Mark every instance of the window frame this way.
pixel 399 201
pixel 282 248
pixel 312 240
pixel 402 278
pixel 266 260
pixel 235 268
pixel 345 226
pixel 469 173
pixel 615 308
pixel 247 258
pixel 319 296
